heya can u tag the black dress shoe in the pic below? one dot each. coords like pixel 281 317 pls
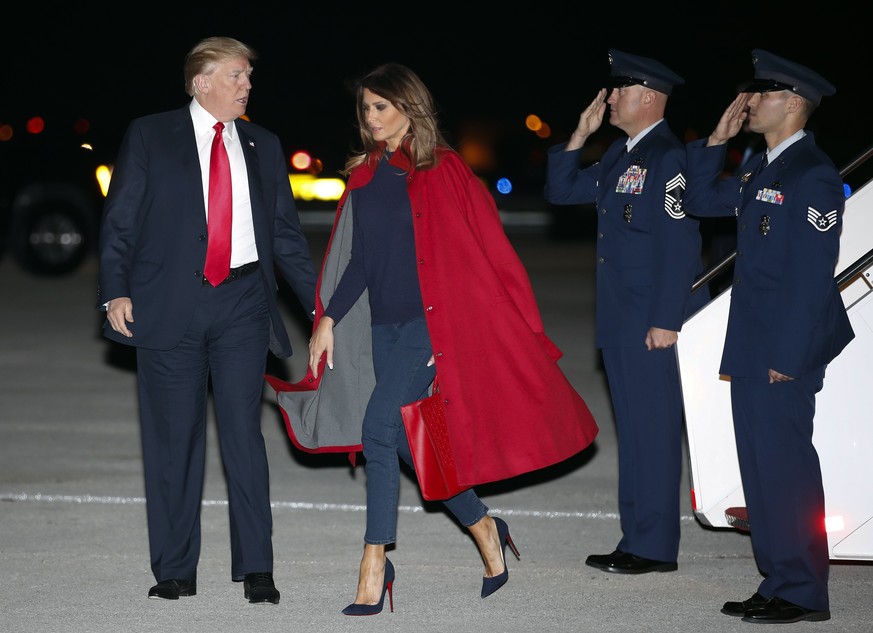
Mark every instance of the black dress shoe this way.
pixel 739 609
pixel 620 562
pixel 259 587
pixel 779 611
pixel 172 589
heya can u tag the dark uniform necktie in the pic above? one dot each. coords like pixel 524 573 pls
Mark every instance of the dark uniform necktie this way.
pixel 220 218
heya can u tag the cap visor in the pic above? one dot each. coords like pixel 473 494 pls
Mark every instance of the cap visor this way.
pixel 764 85
pixel 621 81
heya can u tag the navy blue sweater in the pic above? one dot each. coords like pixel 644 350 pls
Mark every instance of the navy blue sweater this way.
pixel 383 252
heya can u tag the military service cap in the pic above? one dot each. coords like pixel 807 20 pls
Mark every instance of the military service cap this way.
pixel 628 70
pixel 774 73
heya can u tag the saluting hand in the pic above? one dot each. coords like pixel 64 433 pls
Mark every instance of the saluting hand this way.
pixel 589 121
pixel 731 122
pixel 321 343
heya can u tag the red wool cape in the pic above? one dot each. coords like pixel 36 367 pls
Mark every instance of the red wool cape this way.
pixel 509 407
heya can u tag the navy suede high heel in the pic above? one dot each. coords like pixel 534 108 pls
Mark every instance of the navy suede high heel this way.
pixel 373 609
pixel 493 583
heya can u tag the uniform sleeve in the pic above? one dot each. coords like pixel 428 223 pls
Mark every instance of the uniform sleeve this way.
pixel 807 278
pixel 566 183
pixel 677 245
pixel 707 194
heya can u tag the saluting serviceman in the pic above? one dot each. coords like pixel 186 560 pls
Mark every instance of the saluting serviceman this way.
pixel 787 321
pixel 648 254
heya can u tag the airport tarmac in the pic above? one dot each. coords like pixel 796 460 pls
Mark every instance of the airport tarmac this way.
pixel 73 543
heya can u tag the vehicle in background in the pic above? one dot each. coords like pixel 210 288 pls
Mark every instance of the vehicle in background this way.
pixel 52 185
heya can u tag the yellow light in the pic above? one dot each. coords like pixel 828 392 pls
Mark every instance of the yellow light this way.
pixel 104 175
pixel 533 122
pixel 308 187
pixel 834 523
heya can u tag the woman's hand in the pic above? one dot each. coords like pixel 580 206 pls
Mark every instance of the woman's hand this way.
pixel 320 343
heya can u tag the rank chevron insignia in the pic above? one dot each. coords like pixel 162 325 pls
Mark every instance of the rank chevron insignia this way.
pixel 822 222
pixel 675 190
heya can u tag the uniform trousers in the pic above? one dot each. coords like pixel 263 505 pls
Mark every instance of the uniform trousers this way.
pixel 400 355
pixel 226 340
pixel 647 403
pixel 782 485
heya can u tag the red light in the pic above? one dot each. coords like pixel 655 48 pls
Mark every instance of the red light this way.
pixel 301 160
pixel 35 125
pixel 81 126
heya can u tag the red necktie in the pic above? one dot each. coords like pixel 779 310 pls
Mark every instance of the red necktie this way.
pixel 220 216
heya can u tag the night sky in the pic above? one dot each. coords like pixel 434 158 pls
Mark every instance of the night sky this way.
pixel 487 68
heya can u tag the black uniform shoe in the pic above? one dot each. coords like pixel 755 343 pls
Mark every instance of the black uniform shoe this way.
pixel 779 611
pixel 172 589
pixel 259 587
pixel 624 563
pixel 739 609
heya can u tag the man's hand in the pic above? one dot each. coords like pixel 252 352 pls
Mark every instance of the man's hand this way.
pixel 731 122
pixel 656 338
pixel 775 376
pixel 119 312
pixel 589 122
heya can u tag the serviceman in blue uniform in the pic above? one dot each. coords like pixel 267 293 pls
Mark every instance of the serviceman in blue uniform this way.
pixel 786 322
pixel 648 254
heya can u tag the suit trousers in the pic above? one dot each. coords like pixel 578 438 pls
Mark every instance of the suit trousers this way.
pixel 782 485
pixel 227 342
pixel 647 403
pixel 400 355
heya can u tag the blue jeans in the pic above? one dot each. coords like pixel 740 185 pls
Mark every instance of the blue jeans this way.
pixel 400 355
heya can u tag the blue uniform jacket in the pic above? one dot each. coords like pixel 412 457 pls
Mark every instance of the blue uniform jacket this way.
pixel 648 251
pixel 786 312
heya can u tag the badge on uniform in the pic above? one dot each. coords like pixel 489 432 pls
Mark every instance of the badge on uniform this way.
pixel 765 224
pixel 773 196
pixel 820 221
pixel 632 180
pixel 674 192
pixel 628 212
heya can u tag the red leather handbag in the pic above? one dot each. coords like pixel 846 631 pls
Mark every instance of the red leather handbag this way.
pixel 425 424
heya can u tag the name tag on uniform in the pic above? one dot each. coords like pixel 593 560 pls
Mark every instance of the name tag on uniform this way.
pixel 770 195
pixel 632 180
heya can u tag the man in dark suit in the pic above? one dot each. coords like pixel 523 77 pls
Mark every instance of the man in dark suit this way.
pixel 158 236
pixel 648 254
pixel 786 322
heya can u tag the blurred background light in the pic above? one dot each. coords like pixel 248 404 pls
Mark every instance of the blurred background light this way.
pixel 308 187
pixel 301 160
pixel 35 125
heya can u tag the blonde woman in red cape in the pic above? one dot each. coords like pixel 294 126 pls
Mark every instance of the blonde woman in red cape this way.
pixel 420 279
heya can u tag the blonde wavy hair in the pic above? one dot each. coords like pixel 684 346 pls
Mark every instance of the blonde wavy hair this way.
pixel 406 92
pixel 208 53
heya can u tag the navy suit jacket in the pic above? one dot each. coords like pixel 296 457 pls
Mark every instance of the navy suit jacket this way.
pixel 153 231
pixel 648 251
pixel 786 312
